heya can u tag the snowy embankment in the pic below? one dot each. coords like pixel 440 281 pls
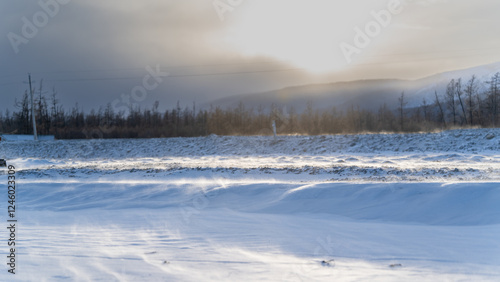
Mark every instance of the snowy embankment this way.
pixel 459 155
pixel 417 207
pixel 467 141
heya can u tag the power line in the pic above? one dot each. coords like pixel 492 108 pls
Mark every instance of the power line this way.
pixel 415 60
pixel 176 76
pixel 233 64
pixel 253 63
pixel 10 83
pixel 142 69
pixel 436 52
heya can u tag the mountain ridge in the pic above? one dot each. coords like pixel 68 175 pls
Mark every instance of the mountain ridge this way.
pixel 369 94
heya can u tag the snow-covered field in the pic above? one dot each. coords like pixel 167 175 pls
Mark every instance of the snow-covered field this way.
pixel 388 207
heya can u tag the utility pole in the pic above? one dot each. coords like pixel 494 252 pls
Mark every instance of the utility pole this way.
pixel 33 109
pixel 274 128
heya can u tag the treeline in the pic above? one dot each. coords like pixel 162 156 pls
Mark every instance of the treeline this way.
pixel 463 104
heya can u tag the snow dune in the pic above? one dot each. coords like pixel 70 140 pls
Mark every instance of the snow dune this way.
pixel 269 232
pixel 326 208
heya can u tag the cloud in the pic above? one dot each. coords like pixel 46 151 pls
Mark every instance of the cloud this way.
pixel 125 36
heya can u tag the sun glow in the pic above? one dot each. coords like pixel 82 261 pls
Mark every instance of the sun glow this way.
pixel 302 33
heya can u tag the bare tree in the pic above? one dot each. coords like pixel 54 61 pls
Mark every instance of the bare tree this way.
pixel 440 107
pixel 471 90
pixel 425 108
pixel 458 88
pixel 494 98
pixel 23 117
pixel 450 100
pixel 402 104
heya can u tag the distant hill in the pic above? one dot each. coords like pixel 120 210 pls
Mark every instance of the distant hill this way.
pixel 367 94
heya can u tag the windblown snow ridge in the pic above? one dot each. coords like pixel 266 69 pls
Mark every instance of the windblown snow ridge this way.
pixel 461 141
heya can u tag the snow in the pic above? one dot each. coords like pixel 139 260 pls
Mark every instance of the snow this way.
pixel 377 207
pixel 439 82
pixel 19 137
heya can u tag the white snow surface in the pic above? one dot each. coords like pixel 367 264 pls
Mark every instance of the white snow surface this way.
pixel 372 207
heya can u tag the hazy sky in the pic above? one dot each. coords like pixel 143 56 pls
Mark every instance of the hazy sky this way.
pixel 96 52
